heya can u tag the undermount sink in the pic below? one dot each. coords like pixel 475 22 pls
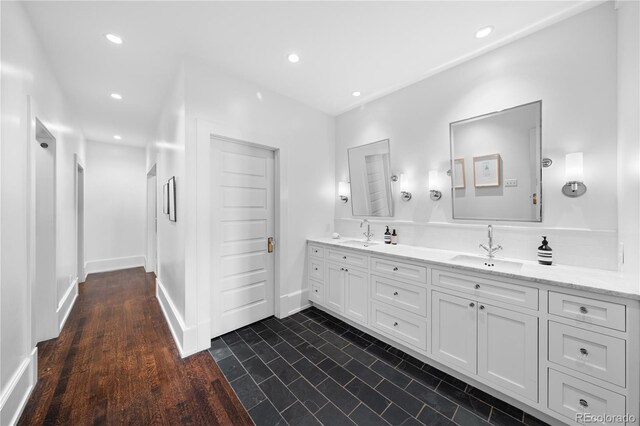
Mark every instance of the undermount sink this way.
pixel 486 263
pixel 359 243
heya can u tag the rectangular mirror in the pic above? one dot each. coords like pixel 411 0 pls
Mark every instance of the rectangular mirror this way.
pixel 370 179
pixel 496 171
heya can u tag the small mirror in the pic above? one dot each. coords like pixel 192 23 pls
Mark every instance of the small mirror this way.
pixel 496 165
pixel 370 176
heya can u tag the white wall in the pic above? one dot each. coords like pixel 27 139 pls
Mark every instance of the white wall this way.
pixel 571 66
pixel 115 207
pixel 629 134
pixel 25 71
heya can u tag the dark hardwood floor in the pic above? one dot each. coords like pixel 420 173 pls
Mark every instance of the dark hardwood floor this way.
pixel 115 362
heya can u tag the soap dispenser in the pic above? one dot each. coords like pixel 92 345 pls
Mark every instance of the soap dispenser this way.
pixel 394 238
pixel 545 254
pixel 387 236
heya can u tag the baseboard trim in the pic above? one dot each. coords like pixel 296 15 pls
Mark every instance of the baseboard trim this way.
pixel 106 265
pixel 294 302
pixel 66 304
pixel 185 337
pixel 18 391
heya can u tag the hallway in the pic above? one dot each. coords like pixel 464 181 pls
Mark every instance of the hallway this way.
pixel 115 362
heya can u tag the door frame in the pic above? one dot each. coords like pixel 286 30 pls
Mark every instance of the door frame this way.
pixel 151 262
pixel 79 164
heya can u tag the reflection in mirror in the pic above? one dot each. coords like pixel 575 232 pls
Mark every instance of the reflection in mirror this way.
pixel 370 175
pixel 496 165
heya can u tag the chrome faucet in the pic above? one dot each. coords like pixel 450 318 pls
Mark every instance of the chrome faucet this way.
pixel 490 249
pixel 367 234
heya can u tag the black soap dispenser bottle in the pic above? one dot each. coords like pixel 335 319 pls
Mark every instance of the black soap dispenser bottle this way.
pixel 545 254
pixel 387 236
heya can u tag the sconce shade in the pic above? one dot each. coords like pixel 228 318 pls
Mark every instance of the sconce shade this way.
pixel 434 184
pixel 574 167
pixel 343 189
pixel 404 183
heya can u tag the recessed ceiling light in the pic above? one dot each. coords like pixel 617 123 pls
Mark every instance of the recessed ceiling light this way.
pixel 117 96
pixel 356 94
pixel 114 38
pixel 293 58
pixel 483 32
pixel 117 137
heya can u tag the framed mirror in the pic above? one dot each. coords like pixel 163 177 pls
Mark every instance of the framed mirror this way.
pixel 370 179
pixel 496 165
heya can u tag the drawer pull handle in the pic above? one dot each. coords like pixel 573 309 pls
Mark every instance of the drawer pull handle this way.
pixel 477 286
pixel 584 403
pixel 395 324
pixel 481 307
pixel 395 268
pixel 472 304
pixel 395 293
pixel 344 257
pixel 583 310
pixel 584 352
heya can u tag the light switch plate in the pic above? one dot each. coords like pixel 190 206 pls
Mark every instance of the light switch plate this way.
pixel 510 182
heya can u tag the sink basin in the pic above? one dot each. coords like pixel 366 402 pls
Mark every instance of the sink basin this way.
pixel 486 263
pixel 359 243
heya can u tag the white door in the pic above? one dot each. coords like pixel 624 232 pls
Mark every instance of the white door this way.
pixel 356 284
pixel 244 195
pixel 508 350
pixel 454 330
pixel 335 287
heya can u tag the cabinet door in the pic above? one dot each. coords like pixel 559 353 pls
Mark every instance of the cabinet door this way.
pixel 357 294
pixel 453 330
pixel 508 349
pixel 334 287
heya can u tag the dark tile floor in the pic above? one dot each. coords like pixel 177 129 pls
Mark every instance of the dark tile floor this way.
pixel 312 368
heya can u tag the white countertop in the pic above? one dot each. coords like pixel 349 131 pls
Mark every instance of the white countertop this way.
pixel 593 280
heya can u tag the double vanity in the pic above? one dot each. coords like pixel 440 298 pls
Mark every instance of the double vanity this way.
pixel 561 341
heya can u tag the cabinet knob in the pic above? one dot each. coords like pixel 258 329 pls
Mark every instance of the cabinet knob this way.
pixel 395 293
pixel 584 403
pixel 472 304
pixel 346 270
pixel 395 268
pixel 583 310
pixel 395 324
pixel 342 269
pixel 344 257
pixel 584 352
pixel 477 286
pixel 316 290
pixel 315 269
pixel 481 307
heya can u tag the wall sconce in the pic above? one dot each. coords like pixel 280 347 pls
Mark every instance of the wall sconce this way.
pixel 434 184
pixel 343 191
pixel 574 175
pixel 405 195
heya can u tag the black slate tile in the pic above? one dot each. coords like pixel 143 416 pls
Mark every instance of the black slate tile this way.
pixel 330 415
pixel 249 336
pixel 334 327
pixel 270 337
pixel 312 338
pixel 219 349
pixel 393 375
pixel 363 416
pixel 432 399
pixel 231 368
pixel 264 414
pixel 334 353
pixel 396 416
pixel 298 317
pixel 297 328
pixel 287 321
pixel 357 353
pixel 335 371
pixel 315 327
pixel 465 400
pixel 412 360
pixel 287 352
pixel 283 370
pixel 496 402
pixel 500 418
pixel 279 395
pixel 431 417
pixel 264 351
pixel 356 340
pixel 258 327
pixel 297 414
pixel 274 324
pixel 367 395
pixel 313 314
pixel 338 395
pixel 241 350
pixel 419 375
pixel 309 371
pixel 533 421
pixel 248 392
pixel 460 384
pixel 464 417
pixel 312 354
pixel 399 397
pixel 334 339
pixel 384 355
pixel 308 395
pixel 363 372
pixel 257 369
pixel 230 338
pixel 291 338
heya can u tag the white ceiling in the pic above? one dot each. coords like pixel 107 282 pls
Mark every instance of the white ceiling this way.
pixel 372 47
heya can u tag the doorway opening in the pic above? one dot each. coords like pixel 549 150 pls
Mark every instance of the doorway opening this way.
pixel 152 221
pixel 80 221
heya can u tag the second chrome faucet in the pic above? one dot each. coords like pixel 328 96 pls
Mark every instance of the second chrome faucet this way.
pixel 367 234
pixel 490 248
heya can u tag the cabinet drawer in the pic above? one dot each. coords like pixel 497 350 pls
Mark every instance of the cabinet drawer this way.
pixel 513 294
pixel 348 258
pixel 399 269
pixel 401 295
pixel 592 311
pixel 590 353
pixel 316 251
pixel 316 292
pixel 316 269
pixel 573 397
pixel 401 326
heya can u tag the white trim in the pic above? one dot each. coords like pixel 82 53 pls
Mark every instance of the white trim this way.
pixel 66 304
pixel 185 338
pixel 105 265
pixel 18 390
pixel 294 302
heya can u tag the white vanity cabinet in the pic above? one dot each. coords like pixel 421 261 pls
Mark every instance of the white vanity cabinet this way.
pixel 347 286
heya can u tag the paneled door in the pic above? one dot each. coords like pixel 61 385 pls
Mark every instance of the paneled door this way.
pixel 244 197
